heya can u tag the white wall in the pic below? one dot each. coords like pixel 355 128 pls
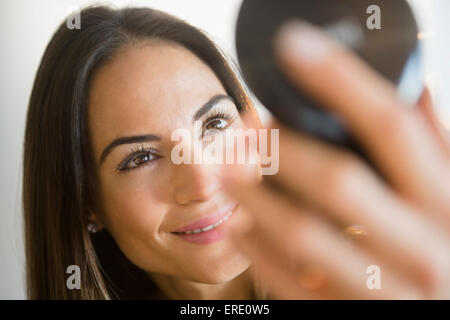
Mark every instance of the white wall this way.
pixel 25 29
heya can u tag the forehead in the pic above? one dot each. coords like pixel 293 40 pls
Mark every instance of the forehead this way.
pixel 148 88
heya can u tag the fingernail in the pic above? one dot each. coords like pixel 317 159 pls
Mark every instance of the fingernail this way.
pixel 303 40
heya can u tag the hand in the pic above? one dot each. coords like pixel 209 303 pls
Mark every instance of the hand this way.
pixel 294 235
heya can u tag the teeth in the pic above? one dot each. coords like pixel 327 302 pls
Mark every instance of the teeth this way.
pixel 210 227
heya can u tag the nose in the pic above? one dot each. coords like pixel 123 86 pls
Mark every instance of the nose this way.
pixel 194 183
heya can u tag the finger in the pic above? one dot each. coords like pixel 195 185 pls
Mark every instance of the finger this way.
pixel 305 239
pixel 345 188
pixel 398 140
pixel 308 281
pixel 268 271
pixel 426 108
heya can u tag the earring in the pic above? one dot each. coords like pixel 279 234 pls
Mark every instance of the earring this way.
pixel 92 227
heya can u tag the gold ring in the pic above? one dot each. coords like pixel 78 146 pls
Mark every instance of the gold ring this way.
pixel 355 232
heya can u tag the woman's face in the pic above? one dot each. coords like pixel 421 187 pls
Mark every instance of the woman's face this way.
pixel 136 101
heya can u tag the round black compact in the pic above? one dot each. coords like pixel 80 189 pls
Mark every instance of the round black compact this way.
pixel 383 33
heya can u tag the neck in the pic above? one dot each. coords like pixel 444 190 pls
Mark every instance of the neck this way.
pixel 238 288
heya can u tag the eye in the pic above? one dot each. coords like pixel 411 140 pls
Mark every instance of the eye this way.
pixel 139 158
pixel 216 124
pixel 220 120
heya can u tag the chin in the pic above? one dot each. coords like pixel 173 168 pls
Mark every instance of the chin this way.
pixel 223 271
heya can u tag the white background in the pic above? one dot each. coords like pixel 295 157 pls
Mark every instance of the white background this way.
pixel 26 28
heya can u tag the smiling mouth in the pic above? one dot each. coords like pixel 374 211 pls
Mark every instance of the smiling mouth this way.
pixel 209 227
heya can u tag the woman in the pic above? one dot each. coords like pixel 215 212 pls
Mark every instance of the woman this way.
pixel 101 192
pixel 98 158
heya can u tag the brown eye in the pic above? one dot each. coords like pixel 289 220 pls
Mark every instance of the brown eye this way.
pixel 216 124
pixel 141 159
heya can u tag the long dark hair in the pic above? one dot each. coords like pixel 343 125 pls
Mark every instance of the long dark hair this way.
pixel 59 181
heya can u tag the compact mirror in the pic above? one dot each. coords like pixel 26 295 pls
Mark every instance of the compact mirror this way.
pixel 383 33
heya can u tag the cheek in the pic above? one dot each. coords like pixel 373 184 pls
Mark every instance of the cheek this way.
pixel 132 212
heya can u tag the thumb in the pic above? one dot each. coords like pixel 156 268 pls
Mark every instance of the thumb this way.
pixel 426 108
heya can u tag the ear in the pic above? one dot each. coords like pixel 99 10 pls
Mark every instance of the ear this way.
pixel 426 108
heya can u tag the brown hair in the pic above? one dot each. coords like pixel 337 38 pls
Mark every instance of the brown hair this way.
pixel 59 181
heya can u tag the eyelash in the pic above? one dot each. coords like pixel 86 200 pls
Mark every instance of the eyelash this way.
pixel 142 150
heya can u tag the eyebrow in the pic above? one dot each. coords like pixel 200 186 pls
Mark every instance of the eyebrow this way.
pixel 151 137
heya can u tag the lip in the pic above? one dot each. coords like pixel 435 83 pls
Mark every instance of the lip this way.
pixel 209 220
pixel 210 236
